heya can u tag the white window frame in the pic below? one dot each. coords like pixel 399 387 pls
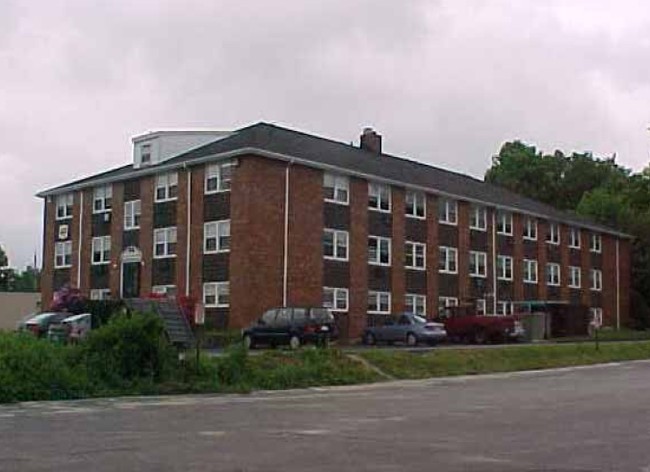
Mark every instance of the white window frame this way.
pixel 132 214
pixel 170 236
pixel 416 300
pixel 596 280
pixel 340 238
pixel 553 236
pixel 504 308
pixel 145 150
pixel 575 282
pixel 104 195
pixel 448 251
pixel 418 252
pixel 220 232
pixel 167 182
pixel 475 259
pixel 574 235
pixel 418 203
pixel 596 316
pixel 530 229
pixel 100 294
pixel 504 223
pixel 478 218
pixel 481 306
pixel 504 263
pixel 102 246
pixel 63 250
pixel 340 185
pixel 165 290
pixel 449 214
pixel 596 243
pixel 446 302
pixel 335 293
pixel 66 203
pixel 378 296
pixel 217 172
pixel 216 290
pixel 382 194
pixel 530 268
pixel 380 241
pixel 550 280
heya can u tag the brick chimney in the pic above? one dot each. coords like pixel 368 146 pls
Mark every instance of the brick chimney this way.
pixel 371 141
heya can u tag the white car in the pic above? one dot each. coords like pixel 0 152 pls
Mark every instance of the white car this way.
pixel 78 326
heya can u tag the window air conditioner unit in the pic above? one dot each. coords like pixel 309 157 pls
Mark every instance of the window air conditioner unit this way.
pixel 107 217
pixel 63 232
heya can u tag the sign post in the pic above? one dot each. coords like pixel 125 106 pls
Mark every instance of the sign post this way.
pixel 199 322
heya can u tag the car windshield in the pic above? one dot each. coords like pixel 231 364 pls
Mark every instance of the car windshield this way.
pixel 418 319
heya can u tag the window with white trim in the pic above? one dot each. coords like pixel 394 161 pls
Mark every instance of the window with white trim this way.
pixel 218 177
pixel 553 235
pixel 504 267
pixel 504 308
pixel 477 264
pixel 530 271
pixel 596 316
pixel 552 274
pixel 335 298
pixel 166 290
pixel 336 188
pixel 416 304
pixel 216 236
pixel 447 211
pixel 530 229
pixel 101 249
pixel 504 223
pixel 63 255
pixel 574 238
pixel 64 205
pixel 478 218
pixel 132 212
pixel 415 255
pixel 378 302
pixel 335 244
pixel 145 154
pixel 164 242
pixel 448 260
pixel 100 294
pixel 102 199
pixel 379 250
pixel 216 294
pixel 166 187
pixel 574 277
pixel 416 204
pixel 596 279
pixel 379 197
pixel 596 243
pixel 446 302
pixel 481 306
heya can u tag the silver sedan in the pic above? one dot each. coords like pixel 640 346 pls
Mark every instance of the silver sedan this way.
pixel 408 328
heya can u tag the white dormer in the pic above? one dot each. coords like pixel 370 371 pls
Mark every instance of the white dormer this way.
pixel 158 146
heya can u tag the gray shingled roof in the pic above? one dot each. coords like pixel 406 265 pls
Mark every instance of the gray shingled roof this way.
pixel 328 153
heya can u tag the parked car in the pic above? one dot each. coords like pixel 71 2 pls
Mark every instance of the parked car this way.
pixel 408 328
pixel 71 329
pixel 293 326
pixel 39 324
pixel 463 324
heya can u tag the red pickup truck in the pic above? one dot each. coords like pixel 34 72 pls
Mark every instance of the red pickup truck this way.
pixel 463 324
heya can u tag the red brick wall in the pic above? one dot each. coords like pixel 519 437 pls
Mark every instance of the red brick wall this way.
pixel 585 267
pixel 518 255
pixel 358 256
pixel 565 240
pixel 73 226
pixel 542 251
pixel 146 234
pixel 463 251
pixel 86 243
pixel 609 304
pixel 47 276
pixel 491 256
pixel 181 232
pixel 117 228
pixel 398 272
pixel 432 256
pixel 625 271
pixel 196 250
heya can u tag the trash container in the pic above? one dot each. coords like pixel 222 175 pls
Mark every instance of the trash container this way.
pixel 535 326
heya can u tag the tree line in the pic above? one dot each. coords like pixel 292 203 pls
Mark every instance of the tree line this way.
pixel 12 280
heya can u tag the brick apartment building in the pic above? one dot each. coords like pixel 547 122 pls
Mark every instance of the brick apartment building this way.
pixel 266 216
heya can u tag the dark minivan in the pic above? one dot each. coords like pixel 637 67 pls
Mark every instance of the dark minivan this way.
pixel 293 326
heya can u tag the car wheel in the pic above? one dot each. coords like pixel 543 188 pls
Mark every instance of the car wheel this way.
pixel 369 339
pixel 248 342
pixel 411 340
pixel 294 342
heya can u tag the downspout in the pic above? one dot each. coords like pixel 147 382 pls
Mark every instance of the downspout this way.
pixel 285 268
pixel 494 262
pixel 81 225
pixel 618 289
pixel 188 232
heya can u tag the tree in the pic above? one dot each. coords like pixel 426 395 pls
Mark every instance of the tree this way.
pixel 4 261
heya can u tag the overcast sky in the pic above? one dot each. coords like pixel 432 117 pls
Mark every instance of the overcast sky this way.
pixel 445 82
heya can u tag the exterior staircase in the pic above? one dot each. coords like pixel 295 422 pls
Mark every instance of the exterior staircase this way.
pixel 176 326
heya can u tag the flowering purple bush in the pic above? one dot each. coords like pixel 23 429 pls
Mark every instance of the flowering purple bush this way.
pixel 68 299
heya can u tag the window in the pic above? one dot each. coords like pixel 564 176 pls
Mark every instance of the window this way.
pixel 164 241
pixel 446 302
pixel 504 308
pixel 216 294
pixel 378 250
pixel 166 187
pixel 64 206
pixel 596 316
pixel 448 260
pixel 477 264
pixel 217 177
pixel 102 199
pixel 378 302
pixel 216 236
pixel 336 299
pixel 335 244
pixel 596 243
pixel 530 271
pixel 379 197
pixel 504 268
pixel 167 290
pixel 530 229
pixel 101 248
pixel 504 223
pixel 100 294
pixel 574 277
pixel 574 238
pixel 132 212
pixel 447 211
pixel 415 256
pixel 416 204
pixel 145 154
pixel 416 304
pixel 336 188
pixel 478 218
pixel 480 306
pixel 596 280
pixel 553 235
pixel 552 274
pixel 63 255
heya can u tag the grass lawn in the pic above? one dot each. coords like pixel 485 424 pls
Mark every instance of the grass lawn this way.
pixel 608 334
